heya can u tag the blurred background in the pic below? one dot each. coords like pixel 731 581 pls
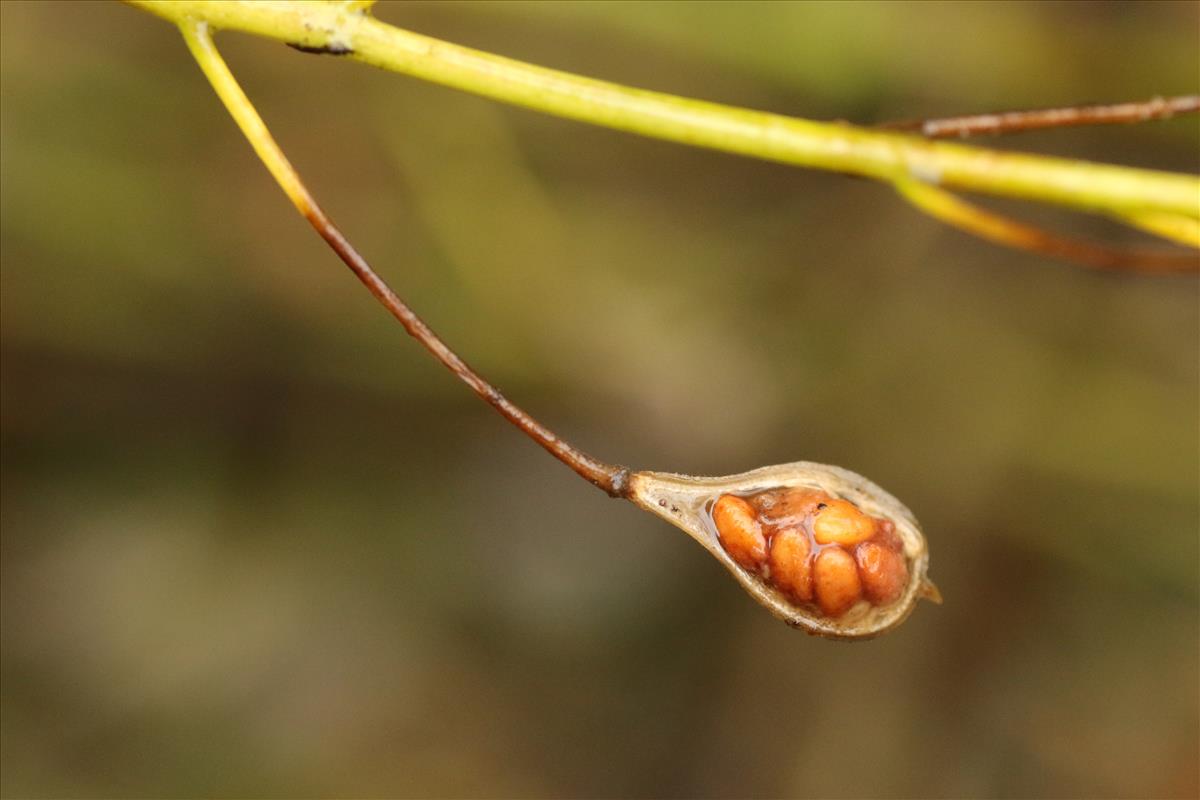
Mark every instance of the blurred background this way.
pixel 257 543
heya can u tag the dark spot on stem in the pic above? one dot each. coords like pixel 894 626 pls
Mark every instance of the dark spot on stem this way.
pixel 328 49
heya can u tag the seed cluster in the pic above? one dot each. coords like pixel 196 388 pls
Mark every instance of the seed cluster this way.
pixel 813 547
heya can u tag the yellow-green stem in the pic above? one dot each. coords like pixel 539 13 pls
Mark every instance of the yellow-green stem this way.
pixel 245 115
pixel 894 157
pixel 1176 227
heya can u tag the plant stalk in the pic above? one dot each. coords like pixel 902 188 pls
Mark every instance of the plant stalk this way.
pixel 346 29
pixel 611 479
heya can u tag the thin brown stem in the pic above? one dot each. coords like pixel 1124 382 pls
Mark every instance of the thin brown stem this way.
pixel 612 479
pixel 1038 119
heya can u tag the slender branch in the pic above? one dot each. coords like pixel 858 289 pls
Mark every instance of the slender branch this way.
pixel 1038 119
pixel 607 477
pixel 1002 230
pixel 889 156
pixel 1175 227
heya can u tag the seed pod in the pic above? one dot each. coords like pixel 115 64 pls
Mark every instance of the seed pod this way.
pixel 690 502
pixel 789 564
pixel 740 531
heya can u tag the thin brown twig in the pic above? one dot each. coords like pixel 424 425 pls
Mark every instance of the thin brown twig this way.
pixel 606 476
pixel 1038 119
pixel 612 479
pixel 997 228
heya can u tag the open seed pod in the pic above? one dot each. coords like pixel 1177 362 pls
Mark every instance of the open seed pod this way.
pixel 824 549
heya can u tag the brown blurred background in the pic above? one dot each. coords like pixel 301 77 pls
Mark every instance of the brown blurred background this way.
pixel 256 543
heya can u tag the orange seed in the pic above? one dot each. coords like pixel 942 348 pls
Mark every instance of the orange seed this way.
pixel 883 571
pixel 840 522
pixel 886 535
pixel 791 569
pixel 739 531
pixel 836 581
pixel 787 506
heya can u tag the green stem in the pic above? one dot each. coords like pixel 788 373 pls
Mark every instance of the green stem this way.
pixel 892 157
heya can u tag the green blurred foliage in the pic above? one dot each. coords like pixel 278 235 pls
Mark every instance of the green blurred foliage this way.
pixel 256 543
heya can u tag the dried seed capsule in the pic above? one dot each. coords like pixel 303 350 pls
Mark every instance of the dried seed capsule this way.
pixel 740 531
pixel 790 565
pixel 883 571
pixel 781 498
pixel 835 581
pixel 840 522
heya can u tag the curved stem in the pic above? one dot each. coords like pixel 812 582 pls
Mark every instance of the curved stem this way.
pixel 1002 230
pixel 610 478
pixel 884 155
